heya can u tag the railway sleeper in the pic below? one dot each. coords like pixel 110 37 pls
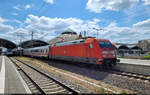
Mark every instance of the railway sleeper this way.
pixel 34 88
pixel 57 91
pixel 53 89
pixel 46 80
pixel 47 84
pixel 50 86
pixel 31 86
pixel 41 84
pixel 50 83
pixel 36 91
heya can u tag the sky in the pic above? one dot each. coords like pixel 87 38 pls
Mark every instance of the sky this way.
pixel 120 21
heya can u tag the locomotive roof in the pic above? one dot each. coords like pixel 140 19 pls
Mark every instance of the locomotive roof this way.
pixel 102 40
pixel 70 42
pixel 41 47
pixel 78 41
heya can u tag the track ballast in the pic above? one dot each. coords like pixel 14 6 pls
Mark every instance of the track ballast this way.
pixel 39 82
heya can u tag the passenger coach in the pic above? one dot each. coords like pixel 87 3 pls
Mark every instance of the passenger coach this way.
pixel 42 51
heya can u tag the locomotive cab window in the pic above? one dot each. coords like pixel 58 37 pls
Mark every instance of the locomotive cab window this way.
pixel 105 45
pixel 91 46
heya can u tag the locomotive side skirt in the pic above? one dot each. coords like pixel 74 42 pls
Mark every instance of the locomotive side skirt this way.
pixel 76 59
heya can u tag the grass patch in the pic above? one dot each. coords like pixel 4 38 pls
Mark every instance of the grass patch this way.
pixel 124 92
pixel 147 56
pixel 118 56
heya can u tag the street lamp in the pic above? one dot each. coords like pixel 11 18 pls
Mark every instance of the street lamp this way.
pixel 97 29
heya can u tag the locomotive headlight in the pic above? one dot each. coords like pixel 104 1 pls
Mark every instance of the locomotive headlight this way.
pixel 108 52
pixel 104 55
pixel 104 52
pixel 114 55
pixel 113 52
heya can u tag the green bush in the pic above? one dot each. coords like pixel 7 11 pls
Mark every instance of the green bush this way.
pixel 147 56
pixel 118 56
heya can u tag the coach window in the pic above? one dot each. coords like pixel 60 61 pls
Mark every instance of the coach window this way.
pixel 91 46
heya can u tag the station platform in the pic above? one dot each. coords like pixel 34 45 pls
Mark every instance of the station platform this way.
pixel 135 61
pixel 134 66
pixel 10 80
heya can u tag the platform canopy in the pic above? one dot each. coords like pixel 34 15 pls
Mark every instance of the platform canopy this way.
pixel 33 43
pixel 123 47
pixel 7 44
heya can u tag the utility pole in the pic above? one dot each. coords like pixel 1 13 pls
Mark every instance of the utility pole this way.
pixel 21 37
pixel 42 36
pixel 84 33
pixel 31 35
pixel 97 31
pixel 32 38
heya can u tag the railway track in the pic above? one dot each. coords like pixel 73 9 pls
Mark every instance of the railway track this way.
pixel 116 72
pixel 130 75
pixel 39 82
pixel 132 81
pixel 112 71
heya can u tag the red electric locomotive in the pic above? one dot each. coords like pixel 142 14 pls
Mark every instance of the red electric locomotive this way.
pixel 90 50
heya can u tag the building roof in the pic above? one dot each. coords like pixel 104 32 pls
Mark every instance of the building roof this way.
pixel 148 40
pixel 68 35
pixel 33 43
pixel 7 44
pixel 126 46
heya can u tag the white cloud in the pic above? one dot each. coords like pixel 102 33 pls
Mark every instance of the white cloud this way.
pixel 16 21
pixel 3 27
pixel 17 7
pixel 52 27
pixel 27 6
pixel 143 24
pixel 146 2
pixel 49 1
pixel 2 20
pixel 119 34
pixel 55 26
pixel 15 14
pixel 115 5
pixel 138 31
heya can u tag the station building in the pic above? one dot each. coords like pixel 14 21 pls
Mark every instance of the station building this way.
pixel 127 49
pixel 145 45
pixel 67 35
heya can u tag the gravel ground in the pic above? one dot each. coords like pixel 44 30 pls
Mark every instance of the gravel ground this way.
pixel 66 82
pixel 125 82
pixel 113 79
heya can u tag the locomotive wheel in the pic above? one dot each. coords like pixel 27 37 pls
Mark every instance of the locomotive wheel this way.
pixel 110 65
pixel 105 66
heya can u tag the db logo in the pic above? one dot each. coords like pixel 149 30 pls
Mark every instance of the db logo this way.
pixel 64 52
